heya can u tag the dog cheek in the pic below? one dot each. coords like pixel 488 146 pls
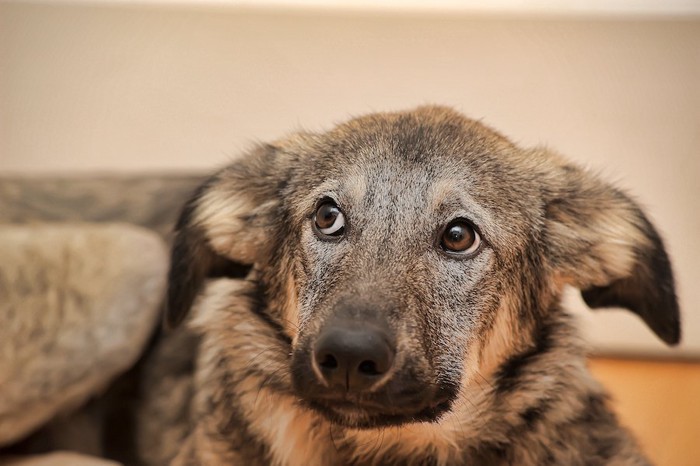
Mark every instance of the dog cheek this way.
pixel 438 315
pixel 304 312
pixel 290 308
pixel 497 340
pixel 443 346
pixel 481 330
pixel 315 286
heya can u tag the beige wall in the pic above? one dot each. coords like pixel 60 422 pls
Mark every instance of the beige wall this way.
pixel 128 88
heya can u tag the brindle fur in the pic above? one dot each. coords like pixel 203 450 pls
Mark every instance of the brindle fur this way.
pixel 497 372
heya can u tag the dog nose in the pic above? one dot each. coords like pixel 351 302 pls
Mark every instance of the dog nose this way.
pixel 353 356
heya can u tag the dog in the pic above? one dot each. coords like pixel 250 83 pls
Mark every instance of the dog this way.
pixel 389 293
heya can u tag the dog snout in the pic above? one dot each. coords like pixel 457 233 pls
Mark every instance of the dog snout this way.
pixel 353 356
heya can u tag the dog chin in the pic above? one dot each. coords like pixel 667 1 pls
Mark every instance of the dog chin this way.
pixel 358 417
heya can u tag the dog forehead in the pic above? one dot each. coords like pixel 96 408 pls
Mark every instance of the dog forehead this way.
pixel 430 148
pixel 420 161
pixel 435 140
pixel 426 134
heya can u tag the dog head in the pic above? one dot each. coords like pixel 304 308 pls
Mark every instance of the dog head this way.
pixel 389 248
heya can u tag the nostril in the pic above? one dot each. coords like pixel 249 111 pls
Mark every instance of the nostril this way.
pixel 328 362
pixel 368 368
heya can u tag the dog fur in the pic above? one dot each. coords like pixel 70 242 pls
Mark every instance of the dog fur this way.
pixel 495 364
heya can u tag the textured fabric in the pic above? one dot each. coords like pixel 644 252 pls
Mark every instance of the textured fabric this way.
pixel 151 201
pixel 77 305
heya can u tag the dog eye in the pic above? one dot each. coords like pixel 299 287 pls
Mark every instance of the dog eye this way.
pixel 329 220
pixel 459 236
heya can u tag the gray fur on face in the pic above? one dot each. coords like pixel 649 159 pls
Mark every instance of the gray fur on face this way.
pixel 487 367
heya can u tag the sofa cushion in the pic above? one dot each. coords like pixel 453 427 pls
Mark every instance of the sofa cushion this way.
pixel 152 201
pixel 78 303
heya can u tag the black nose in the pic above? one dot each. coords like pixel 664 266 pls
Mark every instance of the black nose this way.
pixel 353 356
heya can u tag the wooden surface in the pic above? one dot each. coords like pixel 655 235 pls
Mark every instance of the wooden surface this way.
pixel 658 401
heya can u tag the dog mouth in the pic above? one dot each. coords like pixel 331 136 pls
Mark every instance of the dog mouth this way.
pixel 363 413
pixel 353 376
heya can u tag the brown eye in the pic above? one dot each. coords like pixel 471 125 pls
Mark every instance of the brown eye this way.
pixel 329 220
pixel 460 236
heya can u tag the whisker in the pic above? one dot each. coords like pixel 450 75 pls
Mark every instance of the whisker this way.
pixel 330 433
pixel 296 326
pixel 265 382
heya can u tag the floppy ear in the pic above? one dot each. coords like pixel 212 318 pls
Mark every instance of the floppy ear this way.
pixel 601 242
pixel 222 228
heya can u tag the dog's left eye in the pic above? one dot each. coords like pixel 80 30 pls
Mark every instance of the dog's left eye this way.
pixel 329 220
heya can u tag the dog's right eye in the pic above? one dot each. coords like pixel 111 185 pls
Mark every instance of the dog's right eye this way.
pixel 329 220
pixel 460 238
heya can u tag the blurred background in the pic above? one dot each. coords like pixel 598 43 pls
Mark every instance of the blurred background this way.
pixel 137 87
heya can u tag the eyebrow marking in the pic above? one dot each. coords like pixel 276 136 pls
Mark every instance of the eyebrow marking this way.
pixel 356 187
pixel 440 192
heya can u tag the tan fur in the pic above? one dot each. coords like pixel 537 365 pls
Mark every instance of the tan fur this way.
pixel 290 312
pixel 291 433
pixel 222 221
pixel 499 343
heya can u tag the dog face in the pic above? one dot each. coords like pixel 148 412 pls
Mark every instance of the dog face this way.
pixel 405 254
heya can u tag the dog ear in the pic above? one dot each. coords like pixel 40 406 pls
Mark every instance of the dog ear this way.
pixel 601 242
pixel 222 228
